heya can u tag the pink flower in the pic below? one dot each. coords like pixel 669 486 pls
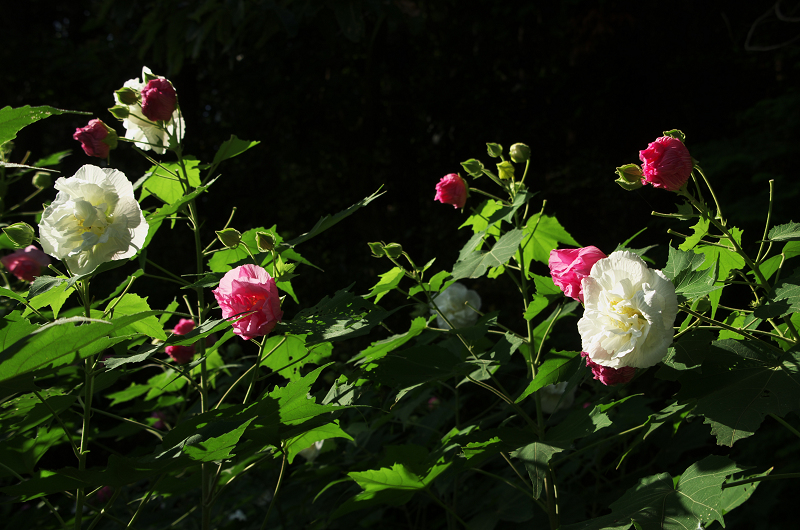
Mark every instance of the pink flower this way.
pixel 26 263
pixel 159 100
pixel 434 402
pixel 569 266
pixel 607 375
pixel 160 417
pixel 667 163
pixel 97 138
pixel 249 293
pixel 452 189
pixel 184 326
pixel 180 354
pixel 104 493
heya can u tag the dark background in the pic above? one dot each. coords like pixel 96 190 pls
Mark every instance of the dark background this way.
pixel 351 95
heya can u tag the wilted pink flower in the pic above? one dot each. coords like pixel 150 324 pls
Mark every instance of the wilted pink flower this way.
pixel 249 292
pixel 97 138
pixel 160 417
pixel 607 375
pixel 569 266
pixel 26 263
pixel 159 100
pixel 667 163
pixel 452 189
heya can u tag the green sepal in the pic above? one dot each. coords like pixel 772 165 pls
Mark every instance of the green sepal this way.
pixel 630 177
pixel 473 167
pixel 494 150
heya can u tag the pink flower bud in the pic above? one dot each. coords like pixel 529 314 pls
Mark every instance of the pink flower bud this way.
pixel 607 375
pixel 180 354
pixel 104 493
pixel 667 163
pixel 160 417
pixel 248 293
pixel 184 326
pixel 97 138
pixel 159 100
pixel 451 189
pixel 569 266
pixel 26 263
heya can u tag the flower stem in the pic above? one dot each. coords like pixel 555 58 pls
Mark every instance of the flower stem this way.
pixel 277 489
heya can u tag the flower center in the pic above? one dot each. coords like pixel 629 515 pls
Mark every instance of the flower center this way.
pixel 627 317
pixel 90 218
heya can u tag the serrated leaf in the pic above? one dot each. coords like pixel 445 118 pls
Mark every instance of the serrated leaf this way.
pixel 476 264
pixel 687 273
pixel 543 233
pixel 379 349
pixel 741 382
pixel 292 355
pixel 52 293
pixel 656 504
pixel 231 148
pixel 14 120
pixel 325 432
pixel 131 304
pixel 786 232
pixel 389 280
pixel 557 367
pixel 700 230
pixel 725 260
pixel 784 300
pixel 164 184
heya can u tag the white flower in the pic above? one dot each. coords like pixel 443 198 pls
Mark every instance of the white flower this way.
pixel 629 312
pixel 453 303
pixel 147 134
pixel 551 397
pixel 93 219
pixel 312 452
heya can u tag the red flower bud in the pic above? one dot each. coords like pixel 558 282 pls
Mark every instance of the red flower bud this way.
pixel 667 163
pixel 159 100
pixel 97 138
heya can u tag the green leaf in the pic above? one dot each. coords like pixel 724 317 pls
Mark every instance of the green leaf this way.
pixel 164 184
pixel 389 280
pixel 53 293
pixel 155 219
pixel 700 230
pixel 784 300
pixel 61 342
pixel 536 458
pixel 344 316
pixel 328 221
pixel 656 504
pixel 740 383
pixel 543 237
pixel 476 264
pixel 292 355
pixel 787 232
pixel 131 304
pixel 688 275
pixel 379 349
pixel 725 260
pixel 325 432
pixel 231 148
pixel 14 120
pixel 556 368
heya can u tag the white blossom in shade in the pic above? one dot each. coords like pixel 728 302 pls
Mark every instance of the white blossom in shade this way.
pixel 630 310
pixel 147 134
pixel 455 302
pixel 93 219
pixel 552 400
pixel 311 452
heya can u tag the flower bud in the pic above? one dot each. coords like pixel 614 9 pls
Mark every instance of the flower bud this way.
pixel 96 138
pixel 377 249
pixel 121 112
pixel 21 234
pixel 473 167
pixel 630 177
pixel 127 96
pixel 42 179
pixel 505 170
pixel 666 163
pixel 159 100
pixel 520 153
pixel 230 237
pixel 452 189
pixel 494 150
pixel 265 241
pixel 393 250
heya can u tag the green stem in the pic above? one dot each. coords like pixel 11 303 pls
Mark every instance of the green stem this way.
pixel 258 363
pixel 88 391
pixel 277 489
pixel 785 424
pixel 144 501
pixel 148 428
pixel 766 225
pixel 729 328
pixel 61 423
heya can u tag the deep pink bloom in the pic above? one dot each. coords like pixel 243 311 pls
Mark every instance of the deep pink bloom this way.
pixel 248 293
pixel 97 138
pixel 667 163
pixel 184 326
pixel 607 375
pixel 569 266
pixel 434 402
pixel 26 263
pixel 160 417
pixel 452 189
pixel 180 354
pixel 159 100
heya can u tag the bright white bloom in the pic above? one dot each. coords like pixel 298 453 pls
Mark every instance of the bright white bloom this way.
pixel 311 452
pixel 629 312
pixel 144 132
pixel 551 397
pixel 453 303
pixel 93 219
